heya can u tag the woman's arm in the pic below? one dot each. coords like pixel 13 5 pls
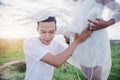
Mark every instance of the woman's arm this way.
pixel 100 23
pixel 114 7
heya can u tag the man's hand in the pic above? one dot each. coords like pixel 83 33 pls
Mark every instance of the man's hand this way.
pixel 99 24
pixel 83 36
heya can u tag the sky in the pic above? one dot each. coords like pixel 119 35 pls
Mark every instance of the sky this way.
pixel 10 28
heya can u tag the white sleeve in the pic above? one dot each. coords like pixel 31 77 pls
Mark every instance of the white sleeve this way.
pixel 114 7
pixel 65 31
pixel 33 50
pixel 62 46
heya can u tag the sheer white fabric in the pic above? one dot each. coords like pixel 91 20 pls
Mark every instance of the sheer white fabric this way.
pixel 93 56
pixel 112 5
pixel 115 8
pixel 37 10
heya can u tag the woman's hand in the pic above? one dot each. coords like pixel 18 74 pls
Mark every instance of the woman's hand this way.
pixel 99 24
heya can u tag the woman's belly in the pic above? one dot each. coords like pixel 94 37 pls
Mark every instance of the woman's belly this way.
pixel 94 50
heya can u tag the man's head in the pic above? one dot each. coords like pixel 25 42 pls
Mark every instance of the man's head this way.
pixel 46 30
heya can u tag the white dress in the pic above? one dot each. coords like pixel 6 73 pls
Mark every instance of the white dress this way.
pixel 93 54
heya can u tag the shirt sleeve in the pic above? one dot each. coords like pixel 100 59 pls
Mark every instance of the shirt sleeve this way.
pixel 34 50
pixel 62 46
pixel 114 7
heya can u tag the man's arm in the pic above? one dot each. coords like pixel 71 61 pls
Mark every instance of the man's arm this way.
pixel 58 59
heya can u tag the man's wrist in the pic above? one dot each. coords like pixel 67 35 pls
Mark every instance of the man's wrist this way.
pixel 77 42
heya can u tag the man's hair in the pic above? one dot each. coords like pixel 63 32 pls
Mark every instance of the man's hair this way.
pixel 49 19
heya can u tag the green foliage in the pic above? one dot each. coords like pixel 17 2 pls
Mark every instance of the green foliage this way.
pixel 115 70
pixel 19 76
pixel 13 70
pixel 11 50
pixel 67 72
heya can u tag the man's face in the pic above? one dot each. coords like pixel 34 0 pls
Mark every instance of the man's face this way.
pixel 46 31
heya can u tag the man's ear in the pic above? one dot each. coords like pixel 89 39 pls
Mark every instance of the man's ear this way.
pixel 37 28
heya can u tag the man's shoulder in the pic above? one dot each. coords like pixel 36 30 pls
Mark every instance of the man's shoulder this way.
pixel 31 40
pixel 59 40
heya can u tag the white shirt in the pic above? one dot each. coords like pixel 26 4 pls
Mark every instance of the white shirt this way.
pixel 34 50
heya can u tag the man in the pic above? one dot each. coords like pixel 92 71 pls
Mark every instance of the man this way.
pixel 43 53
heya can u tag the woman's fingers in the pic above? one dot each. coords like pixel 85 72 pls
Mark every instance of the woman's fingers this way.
pixel 93 22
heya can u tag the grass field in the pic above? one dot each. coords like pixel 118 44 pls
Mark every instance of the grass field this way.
pixel 10 50
pixel 13 50
pixel 115 70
